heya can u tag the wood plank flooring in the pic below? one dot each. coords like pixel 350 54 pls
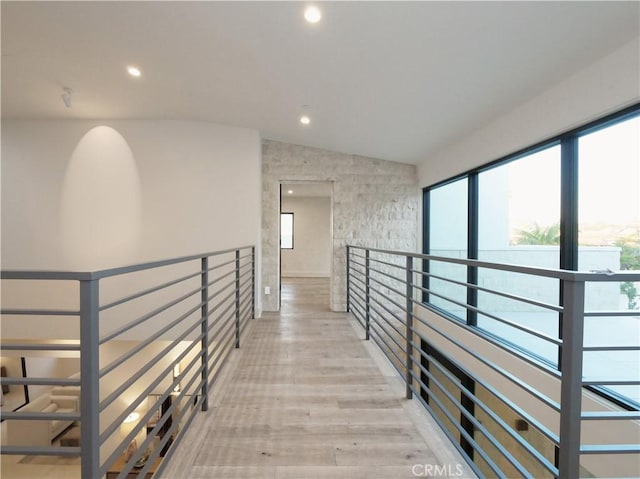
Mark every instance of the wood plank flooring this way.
pixel 303 399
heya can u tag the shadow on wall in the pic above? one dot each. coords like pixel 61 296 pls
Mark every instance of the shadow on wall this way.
pixel 101 204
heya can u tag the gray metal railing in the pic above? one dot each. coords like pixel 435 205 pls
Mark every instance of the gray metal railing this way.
pixel 151 339
pixel 475 382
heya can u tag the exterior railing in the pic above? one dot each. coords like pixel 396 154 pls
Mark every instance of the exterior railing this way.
pixel 474 383
pixel 151 339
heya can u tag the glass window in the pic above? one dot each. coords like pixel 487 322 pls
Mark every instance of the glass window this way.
pixel 609 239
pixel 286 230
pixel 448 237
pixel 519 223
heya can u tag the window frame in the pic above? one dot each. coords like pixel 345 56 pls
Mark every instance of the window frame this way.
pixel 569 178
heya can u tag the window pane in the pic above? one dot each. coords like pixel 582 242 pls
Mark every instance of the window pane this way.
pixel 609 239
pixel 448 237
pixel 286 230
pixel 519 223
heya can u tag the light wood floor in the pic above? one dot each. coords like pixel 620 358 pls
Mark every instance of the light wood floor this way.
pixel 306 398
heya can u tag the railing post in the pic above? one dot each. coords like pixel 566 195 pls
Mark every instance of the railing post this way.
pixel 367 308
pixel 571 382
pixel 204 278
pixel 409 321
pixel 348 282
pixel 89 379
pixel 237 298
pixel 253 282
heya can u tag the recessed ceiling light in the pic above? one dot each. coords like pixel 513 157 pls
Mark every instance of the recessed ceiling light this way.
pixel 305 120
pixel 290 192
pixel 134 71
pixel 312 14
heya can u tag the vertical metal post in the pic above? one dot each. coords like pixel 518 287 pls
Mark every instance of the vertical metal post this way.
pixel 89 378
pixel 367 308
pixel 348 282
pixel 571 385
pixel 204 328
pixel 253 282
pixel 409 321
pixel 237 298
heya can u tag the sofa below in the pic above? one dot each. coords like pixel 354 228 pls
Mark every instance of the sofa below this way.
pixel 41 432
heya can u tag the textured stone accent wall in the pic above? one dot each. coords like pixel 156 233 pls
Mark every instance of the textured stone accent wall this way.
pixel 375 204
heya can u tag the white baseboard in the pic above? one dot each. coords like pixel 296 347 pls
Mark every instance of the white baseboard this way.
pixel 301 274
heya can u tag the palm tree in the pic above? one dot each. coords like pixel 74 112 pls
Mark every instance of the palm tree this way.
pixel 540 235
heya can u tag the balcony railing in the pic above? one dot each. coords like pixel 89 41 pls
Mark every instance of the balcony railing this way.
pixel 509 411
pixel 151 340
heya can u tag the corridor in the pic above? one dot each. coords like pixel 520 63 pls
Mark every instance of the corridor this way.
pixel 306 398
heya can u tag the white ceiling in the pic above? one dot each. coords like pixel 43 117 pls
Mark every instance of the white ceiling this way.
pixel 298 189
pixel 393 80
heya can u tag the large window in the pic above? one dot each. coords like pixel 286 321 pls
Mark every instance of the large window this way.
pixel 448 237
pixel 519 223
pixel 585 184
pixel 609 239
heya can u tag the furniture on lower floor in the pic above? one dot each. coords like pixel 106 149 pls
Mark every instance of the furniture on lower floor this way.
pixel 118 466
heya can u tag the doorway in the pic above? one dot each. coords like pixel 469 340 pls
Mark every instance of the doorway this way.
pixel 306 245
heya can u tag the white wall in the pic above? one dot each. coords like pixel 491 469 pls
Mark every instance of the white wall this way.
pixel 311 253
pixel 86 195
pixel 134 190
pixel 606 86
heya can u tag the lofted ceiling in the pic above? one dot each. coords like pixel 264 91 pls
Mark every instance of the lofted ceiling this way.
pixel 392 80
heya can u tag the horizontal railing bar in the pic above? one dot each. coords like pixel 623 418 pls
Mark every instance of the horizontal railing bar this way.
pixel 514 297
pixel 156 264
pixel 501 397
pixel 39 347
pixel 222 359
pixel 220 320
pixel 610 382
pixel 149 291
pixel 39 275
pixel 399 293
pixel 142 423
pixel 352 263
pixel 39 312
pixel 456 423
pixel 375 334
pixel 469 307
pixel 381 315
pixel 596 314
pixel 220 278
pixel 220 265
pixel 229 295
pixel 18 381
pixel 149 315
pixel 143 344
pixel 395 278
pixel 33 416
pixel 481 334
pixel 41 451
pixel 400 320
pixel 354 255
pixel 167 458
pixel 403 267
pixel 225 325
pixel 357 308
pixel 476 401
pixel 127 384
pixel 379 324
pixel 610 415
pixel 115 425
pixel 503 372
pixel 480 427
pixel 546 272
pixel 443 428
pixel 611 348
pixel 373 292
pixel 610 449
